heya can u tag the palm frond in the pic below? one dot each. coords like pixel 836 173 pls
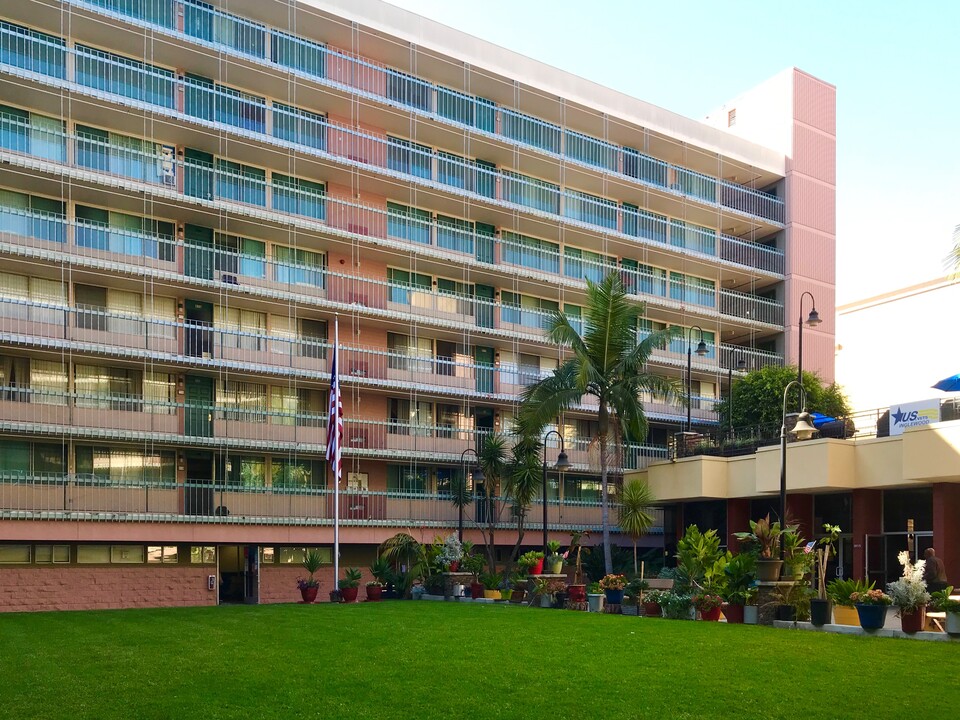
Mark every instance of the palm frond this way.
pixel 635 518
pixel 545 400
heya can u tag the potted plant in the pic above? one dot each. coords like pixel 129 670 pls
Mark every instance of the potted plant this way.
pixel 839 592
pixel 491 585
pixel 547 589
pixel 909 594
pixel 349 585
pixel 633 596
pixel 595 598
pixel 451 553
pixel 871 608
pixel 383 572
pixel 651 603
pixel 940 600
pixel 577 590
pixel 793 601
pixel 739 573
pixel 765 536
pixel 751 611
pixel 708 604
pixel 797 558
pixel 517 592
pixel 676 605
pixel 532 562
pixel 821 608
pixel 309 586
pixel 554 560
pixel 374 591
pixel 612 586
pixel 473 564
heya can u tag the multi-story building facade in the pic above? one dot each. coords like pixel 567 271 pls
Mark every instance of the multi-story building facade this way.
pixel 190 195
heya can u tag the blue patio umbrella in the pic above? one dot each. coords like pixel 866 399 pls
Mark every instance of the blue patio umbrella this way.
pixel 950 384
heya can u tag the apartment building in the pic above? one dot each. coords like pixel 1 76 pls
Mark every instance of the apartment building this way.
pixel 192 193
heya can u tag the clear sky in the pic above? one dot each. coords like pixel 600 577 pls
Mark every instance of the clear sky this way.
pixel 896 66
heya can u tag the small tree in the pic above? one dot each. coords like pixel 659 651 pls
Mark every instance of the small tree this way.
pixel 758 397
pixel 635 518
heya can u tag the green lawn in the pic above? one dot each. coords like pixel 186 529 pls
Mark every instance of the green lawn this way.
pixel 450 660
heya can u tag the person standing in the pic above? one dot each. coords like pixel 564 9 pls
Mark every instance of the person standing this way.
pixel 934 571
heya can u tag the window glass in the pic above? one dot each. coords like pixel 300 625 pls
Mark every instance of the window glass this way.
pixel 10 554
pixel 203 554
pixel 299 54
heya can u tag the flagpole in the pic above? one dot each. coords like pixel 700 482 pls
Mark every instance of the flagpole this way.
pixel 336 461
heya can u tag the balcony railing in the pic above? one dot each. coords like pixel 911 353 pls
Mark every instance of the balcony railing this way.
pixel 249 424
pixel 317 62
pixel 222 264
pixel 90 497
pixel 316 135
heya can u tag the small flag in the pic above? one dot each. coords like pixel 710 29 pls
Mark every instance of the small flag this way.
pixel 808 548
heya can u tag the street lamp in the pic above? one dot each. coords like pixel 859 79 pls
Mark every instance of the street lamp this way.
pixel 813 319
pixel 477 477
pixel 563 462
pixel 701 351
pixel 804 431
pixel 741 366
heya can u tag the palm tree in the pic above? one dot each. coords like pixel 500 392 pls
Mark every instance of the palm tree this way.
pixel 952 261
pixel 608 363
pixel 635 519
pixel 523 477
pixel 493 462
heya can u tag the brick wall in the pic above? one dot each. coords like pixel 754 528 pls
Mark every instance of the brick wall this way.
pixel 100 588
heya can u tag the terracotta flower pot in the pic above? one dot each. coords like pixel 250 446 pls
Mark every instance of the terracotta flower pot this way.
pixel 348 595
pixel 374 593
pixel 712 615
pixel 651 609
pixel 578 593
pixel 733 612
pixel 914 621
pixel 309 594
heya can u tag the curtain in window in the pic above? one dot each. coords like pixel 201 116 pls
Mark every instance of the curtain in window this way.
pixel 299 54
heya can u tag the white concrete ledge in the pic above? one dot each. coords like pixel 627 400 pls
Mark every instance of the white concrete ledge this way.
pixel 856 630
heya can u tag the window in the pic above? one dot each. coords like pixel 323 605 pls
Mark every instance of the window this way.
pixel 530 252
pixel 240 256
pixel 693 237
pixel 527 310
pixel 299 126
pixel 292 474
pixel 20 458
pixel 126 77
pixel 203 22
pixel 124 466
pixel 245 329
pixel 408 223
pixel 296 555
pixel 530 192
pixel 156 13
pixel 300 267
pixel 163 554
pixel 455 234
pixel 242 183
pixel 450 421
pixel 409 353
pixel 466 109
pixel 408 90
pixel 32 50
pixel 32 134
pixel 591 151
pixel 590 209
pixel 41 382
pixel 295 406
pixel 117 154
pixel 693 290
pixel 203 554
pixel 445 479
pixel 14 554
pixel 454 297
pixel 640 223
pixel 125 234
pixel 410 417
pixel 242 401
pixel 732 117
pixel 53 554
pixel 299 54
pixel 404 478
pixel 245 471
pixel 530 130
pixel 409 158
pixel 299 197
pixel 405 285
pixel 586 265
pixel 108 388
pixel 20 295
pixel 313 334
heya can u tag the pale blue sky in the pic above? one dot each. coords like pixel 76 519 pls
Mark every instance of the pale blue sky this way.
pixel 896 66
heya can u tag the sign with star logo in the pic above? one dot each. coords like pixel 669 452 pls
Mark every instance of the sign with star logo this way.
pixel 913 414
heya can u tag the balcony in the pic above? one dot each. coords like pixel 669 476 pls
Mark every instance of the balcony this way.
pixel 91 498
pixel 328 67
pixel 249 116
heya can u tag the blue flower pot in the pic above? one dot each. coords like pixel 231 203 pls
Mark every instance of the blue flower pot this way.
pixel 614 597
pixel 872 617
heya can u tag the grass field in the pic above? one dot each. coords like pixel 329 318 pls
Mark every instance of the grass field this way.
pixel 452 660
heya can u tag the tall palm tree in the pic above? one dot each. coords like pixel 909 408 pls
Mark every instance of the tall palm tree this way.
pixel 635 518
pixel 609 363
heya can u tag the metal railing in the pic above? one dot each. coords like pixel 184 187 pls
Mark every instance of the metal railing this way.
pixel 216 103
pixel 51 496
pixel 316 61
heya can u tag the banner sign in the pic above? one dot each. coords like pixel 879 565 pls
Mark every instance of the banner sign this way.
pixel 913 414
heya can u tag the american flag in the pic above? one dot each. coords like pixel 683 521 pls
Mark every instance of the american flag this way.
pixel 808 548
pixel 335 416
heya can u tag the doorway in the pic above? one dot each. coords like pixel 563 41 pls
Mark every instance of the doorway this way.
pixel 199 328
pixel 198 411
pixel 239 570
pixel 198 489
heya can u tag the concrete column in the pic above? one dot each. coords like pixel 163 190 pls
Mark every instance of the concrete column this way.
pixel 738 520
pixel 867 520
pixel 946 528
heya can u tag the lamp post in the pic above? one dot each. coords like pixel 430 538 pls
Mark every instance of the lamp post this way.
pixel 803 430
pixel 563 462
pixel 741 366
pixel 813 319
pixel 701 351
pixel 477 477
